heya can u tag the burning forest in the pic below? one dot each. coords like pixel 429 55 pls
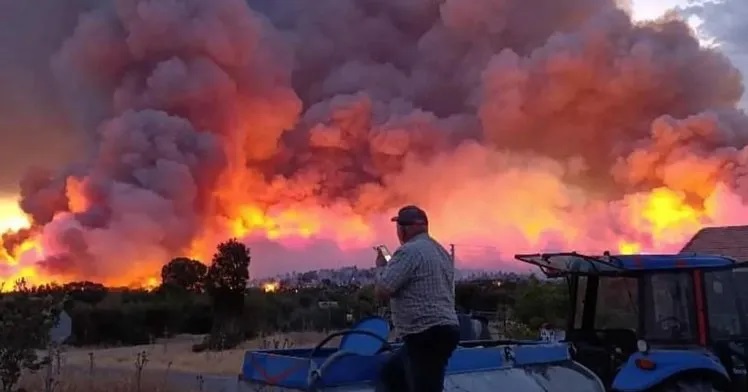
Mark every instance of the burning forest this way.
pixel 300 126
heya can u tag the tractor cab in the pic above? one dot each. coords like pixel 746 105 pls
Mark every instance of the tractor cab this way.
pixel 628 307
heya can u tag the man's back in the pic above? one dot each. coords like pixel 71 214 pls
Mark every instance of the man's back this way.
pixel 427 298
pixel 419 281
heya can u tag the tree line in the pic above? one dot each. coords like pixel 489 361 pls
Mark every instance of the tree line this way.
pixel 213 300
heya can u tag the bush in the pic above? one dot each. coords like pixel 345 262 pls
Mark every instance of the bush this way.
pixel 25 321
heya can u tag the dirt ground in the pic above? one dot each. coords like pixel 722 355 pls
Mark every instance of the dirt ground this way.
pixel 176 354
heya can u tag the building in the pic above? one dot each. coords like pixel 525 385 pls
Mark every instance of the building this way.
pixel 730 241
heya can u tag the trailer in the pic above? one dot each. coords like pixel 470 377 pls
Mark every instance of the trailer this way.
pixel 475 366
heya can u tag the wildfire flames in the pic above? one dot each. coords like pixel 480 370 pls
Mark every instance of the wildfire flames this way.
pixel 519 126
pixel 270 287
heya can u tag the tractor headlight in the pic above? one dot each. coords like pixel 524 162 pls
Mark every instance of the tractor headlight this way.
pixel 642 346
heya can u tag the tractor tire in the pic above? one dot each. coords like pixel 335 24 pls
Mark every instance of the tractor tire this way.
pixel 686 385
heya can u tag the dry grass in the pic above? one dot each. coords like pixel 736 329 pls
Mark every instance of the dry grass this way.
pixel 176 354
pixel 83 383
pixel 115 369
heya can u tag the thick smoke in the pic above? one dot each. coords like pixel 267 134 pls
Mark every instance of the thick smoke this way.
pixel 726 23
pixel 525 125
pixel 173 80
pixel 34 125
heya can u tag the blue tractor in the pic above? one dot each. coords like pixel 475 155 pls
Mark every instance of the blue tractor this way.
pixel 660 323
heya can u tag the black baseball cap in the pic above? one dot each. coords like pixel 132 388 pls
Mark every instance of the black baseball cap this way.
pixel 411 215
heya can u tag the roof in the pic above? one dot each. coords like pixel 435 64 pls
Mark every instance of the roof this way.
pixel 730 241
pixel 641 262
pixel 575 263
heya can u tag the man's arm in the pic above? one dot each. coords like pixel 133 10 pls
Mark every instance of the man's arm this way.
pixel 396 273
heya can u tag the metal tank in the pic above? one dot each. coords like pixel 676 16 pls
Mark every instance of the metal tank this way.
pixel 475 366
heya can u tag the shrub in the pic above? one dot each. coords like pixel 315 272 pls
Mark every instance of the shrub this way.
pixel 25 321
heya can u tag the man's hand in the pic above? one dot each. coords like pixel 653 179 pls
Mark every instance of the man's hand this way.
pixel 396 273
pixel 382 256
pixel 380 261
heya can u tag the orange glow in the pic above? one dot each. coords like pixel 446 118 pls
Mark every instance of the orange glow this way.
pixel 270 287
pixel 666 217
pixel 76 200
pixel 152 283
pixel 536 137
pixel 11 216
pixel 662 214
pixel 666 209
pixel 287 223
pixel 628 248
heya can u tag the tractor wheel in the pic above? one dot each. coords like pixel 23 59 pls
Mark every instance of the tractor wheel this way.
pixel 686 385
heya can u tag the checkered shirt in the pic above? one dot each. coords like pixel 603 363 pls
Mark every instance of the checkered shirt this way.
pixel 421 278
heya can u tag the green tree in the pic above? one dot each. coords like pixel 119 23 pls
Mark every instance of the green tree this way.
pixel 88 292
pixel 184 273
pixel 25 321
pixel 542 301
pixel 226 282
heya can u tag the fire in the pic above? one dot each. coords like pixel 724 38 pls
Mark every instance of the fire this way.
pixel 290 222
pixel 628 248
pixel 12 217
pixel 76 200
pixel 521 144
pixel 152 283
pixel 270 287
pixel 666 217
pixel 666 210
pixel 662 213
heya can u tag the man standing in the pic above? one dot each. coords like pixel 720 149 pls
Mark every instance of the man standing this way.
pixel 419 283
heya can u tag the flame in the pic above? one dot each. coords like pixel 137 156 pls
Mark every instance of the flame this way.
pixel 152 283
pixel 666 216
pixel 662 213
pixel 287 223
pixel 628 248
pixel 666 209
pixel 77 201
pixel 195 150
pixel 270 287
pixel 12 218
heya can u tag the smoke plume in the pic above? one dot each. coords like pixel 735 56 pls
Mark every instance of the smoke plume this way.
pixel 299 126
pixel 725 22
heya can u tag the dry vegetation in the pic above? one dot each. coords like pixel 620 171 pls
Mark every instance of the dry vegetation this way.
pixel 176 354
pixel 76 382
pixel 116 369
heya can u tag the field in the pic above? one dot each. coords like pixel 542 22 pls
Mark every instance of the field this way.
pixel 171 365
pixel 176 354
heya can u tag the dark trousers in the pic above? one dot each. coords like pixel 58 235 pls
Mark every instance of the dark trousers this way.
pixel 419 365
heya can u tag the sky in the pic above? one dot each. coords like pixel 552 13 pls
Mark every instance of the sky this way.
pixel 641 9
pixel 392 107
pixel 649 9
pixel 11 215
pixel 718 23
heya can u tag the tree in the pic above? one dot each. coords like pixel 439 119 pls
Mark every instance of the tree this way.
pixel 542 301
pixel 184 273
pixel 88 292
pixel 25 321
pixel 226 282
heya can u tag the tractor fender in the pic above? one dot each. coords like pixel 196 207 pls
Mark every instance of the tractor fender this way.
pixel 668 364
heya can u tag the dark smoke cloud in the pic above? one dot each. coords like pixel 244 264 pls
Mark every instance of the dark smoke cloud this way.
pixel 532 121
pixel 169 77
pixel 35 126
pixel 725 22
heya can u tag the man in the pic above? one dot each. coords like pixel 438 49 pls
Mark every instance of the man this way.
pixel 419 283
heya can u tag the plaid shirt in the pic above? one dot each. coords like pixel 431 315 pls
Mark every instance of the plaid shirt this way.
pixel 421 278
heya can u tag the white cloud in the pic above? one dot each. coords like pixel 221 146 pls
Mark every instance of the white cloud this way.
pixel 725 23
